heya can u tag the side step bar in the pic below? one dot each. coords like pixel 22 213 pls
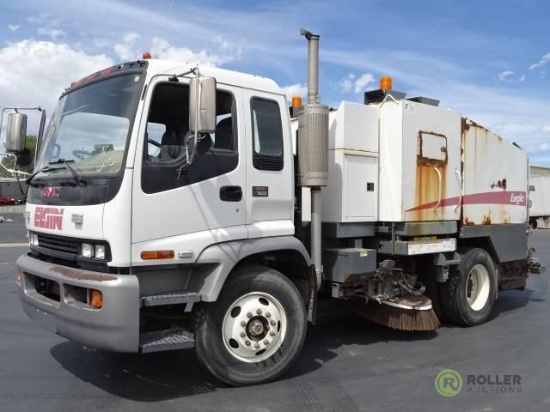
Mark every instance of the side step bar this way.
pixel 170 339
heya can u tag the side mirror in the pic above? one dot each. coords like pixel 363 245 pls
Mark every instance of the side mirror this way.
pixel 202 105
pixel 16 132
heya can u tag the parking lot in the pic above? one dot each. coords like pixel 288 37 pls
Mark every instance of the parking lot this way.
pixel 346 365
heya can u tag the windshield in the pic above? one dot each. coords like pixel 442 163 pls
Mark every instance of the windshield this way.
pixel 91 125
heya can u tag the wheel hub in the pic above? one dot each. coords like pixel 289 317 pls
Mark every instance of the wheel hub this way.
pixel 257 328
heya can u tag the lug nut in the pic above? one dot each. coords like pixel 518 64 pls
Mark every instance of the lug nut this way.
pixel 266 342
pixel 243 334
pixel 257 346
pixel 243 323
pixel 249 314
pixel 247 343
pixel 267 314
pixel 272 333
pixel 272 323
pixel 259 311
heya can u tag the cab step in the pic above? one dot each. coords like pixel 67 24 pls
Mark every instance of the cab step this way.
pixel 164 340
pixel 172 298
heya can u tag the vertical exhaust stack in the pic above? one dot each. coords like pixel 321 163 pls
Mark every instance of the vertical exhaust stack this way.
pixel 313 148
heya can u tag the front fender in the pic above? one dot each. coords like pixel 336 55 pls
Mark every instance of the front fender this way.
pixel 216 262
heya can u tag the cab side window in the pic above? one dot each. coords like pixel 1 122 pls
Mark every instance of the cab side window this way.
pixel 267 133
pixel 166 151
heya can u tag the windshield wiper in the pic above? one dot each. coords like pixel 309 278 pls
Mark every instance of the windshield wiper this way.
pixel 78 181
pixel 28 181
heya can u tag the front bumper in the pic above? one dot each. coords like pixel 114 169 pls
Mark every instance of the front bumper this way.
pixel 114 327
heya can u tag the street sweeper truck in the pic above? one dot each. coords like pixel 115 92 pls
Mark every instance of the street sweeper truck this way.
pixel 176 206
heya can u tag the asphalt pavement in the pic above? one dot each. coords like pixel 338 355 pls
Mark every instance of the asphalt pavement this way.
pixel 347 365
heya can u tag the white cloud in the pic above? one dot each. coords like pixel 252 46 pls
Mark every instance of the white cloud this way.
pixel 357 85
pixel 546 129
pixel 13 27
pixel 35 73
pixel 346 84
pixel 47 26
pixel 505 75
pixel 295 90
pixel 162 49
pixel 522 78
pixel 545 59
pixel 127 50
pixel 363 82
pixel 51 32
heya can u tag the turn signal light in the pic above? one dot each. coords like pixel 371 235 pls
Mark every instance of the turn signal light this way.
pixel 96 299
pixel 157 254
pixel 146 55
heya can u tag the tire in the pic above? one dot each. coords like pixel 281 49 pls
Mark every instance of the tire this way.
pixel 468 296
pixel 254 331
pixel 533 223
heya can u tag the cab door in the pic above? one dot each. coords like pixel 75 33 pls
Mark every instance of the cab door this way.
pixel 270 183
pixel 187 207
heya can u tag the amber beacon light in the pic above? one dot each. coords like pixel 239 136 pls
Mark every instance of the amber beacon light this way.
pixel 386 83
pixel 296 101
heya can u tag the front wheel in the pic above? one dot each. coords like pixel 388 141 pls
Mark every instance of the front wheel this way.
pixel 468 296
pixel 255 330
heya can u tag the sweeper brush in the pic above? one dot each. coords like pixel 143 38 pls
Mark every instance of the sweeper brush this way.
pixel 409 313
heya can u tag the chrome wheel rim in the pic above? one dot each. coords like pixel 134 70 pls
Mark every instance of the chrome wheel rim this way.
pixel 254 327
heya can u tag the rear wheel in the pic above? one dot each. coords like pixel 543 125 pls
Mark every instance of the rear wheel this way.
pixel 468 296
pixel 255 330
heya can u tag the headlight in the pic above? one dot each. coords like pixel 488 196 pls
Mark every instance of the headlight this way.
pixel 100 251
pixel 33 239
pixel 87 250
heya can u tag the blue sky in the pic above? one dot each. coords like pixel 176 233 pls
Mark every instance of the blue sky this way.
pixel 487 59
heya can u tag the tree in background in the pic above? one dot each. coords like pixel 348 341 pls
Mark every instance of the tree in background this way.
pixel 30 146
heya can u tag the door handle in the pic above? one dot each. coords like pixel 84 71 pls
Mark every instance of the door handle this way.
pixel 231 193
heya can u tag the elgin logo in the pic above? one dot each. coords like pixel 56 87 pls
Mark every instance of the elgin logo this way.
pixel 517 199
pixel 48 218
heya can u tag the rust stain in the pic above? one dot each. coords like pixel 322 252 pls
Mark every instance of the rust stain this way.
pixel 427 180
pixel 501 184
pixel 427 190
pixel 467 222
pixel 421 159
pixel 486 219
pixel 465 125
pixel 81 274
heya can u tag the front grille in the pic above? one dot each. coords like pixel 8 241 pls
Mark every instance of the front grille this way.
pixel 58 246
